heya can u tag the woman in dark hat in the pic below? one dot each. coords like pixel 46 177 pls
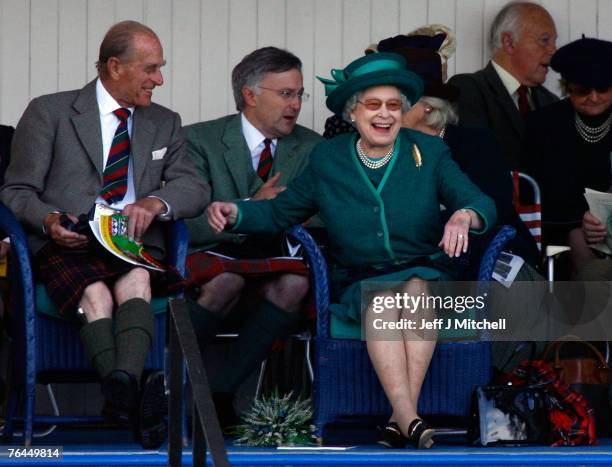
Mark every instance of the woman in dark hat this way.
pixel 378 193
pixel 569 145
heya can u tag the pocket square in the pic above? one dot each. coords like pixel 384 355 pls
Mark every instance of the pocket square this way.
pixel 159 154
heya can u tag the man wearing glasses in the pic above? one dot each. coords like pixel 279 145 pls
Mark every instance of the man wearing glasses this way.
pixel 251 154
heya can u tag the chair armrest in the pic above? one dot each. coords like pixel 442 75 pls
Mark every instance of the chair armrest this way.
pixel 22 287
pixel 496 245
pixel 318 272
pixel 178 241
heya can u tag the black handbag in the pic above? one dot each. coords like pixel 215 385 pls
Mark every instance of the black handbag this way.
pixel 509 414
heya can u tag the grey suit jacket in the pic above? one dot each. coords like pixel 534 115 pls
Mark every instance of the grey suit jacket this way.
pixel 56 162
pixel 485 102
pixel 223 160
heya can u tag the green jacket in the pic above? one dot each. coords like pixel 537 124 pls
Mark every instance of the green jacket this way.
pixel 398 221
pixel 223 160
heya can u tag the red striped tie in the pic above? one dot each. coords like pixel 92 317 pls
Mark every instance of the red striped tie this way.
pixel 265 161
pixel 116 170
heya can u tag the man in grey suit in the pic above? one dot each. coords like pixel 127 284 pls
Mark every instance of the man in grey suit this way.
pixel 105 143
pixel 251 154
pixel 522 41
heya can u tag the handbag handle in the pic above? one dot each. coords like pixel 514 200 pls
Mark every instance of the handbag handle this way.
pixel 570 338
pixel 532 353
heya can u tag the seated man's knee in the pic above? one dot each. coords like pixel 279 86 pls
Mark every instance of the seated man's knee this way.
pixel 96 302
pixel 222 291
pixel 288 291
pixel 134 284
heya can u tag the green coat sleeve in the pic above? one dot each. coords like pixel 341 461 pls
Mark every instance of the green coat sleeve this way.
pixel 457 191
pixel 293 206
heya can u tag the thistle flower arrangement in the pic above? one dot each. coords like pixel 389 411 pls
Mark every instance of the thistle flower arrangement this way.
pixel 277 421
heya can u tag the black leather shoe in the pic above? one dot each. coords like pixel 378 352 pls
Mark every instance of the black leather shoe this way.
pixel 391 436
pixel 420 435
pixel 120 390
pixel 152 429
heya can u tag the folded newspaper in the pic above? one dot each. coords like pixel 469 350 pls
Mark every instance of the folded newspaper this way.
pixel 111 229
pixel 600 205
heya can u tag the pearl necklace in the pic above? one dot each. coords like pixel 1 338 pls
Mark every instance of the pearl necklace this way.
pixel 590 134
pixel 373 164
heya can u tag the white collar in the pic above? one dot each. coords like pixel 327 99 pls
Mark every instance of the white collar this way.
pixel 509 81
pixel 252 135
pixel 107 103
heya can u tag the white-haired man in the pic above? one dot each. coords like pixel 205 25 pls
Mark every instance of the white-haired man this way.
pixel 522 41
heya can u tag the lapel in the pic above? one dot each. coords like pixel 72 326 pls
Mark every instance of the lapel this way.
pixel 504 99
pixel 141 143
pixel 284 159
pixel 87 124
pixel 237 156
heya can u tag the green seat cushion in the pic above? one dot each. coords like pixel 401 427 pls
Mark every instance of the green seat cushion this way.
pixel 45 305
pixel 349 329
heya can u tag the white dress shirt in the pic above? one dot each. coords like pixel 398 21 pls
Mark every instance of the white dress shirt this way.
pixel 511 84
pixel 108 124
pixel 255 141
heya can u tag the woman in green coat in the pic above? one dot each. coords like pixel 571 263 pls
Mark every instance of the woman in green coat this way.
pixel 378 192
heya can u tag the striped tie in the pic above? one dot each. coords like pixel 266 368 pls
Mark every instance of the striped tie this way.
pixel 116 170
pixel 265 161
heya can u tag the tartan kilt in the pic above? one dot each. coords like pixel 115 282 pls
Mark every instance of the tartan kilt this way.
pixel 203 266
pixel 66 272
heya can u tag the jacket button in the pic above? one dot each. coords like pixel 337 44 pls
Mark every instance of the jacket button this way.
pixel 376 209
pixel 379 233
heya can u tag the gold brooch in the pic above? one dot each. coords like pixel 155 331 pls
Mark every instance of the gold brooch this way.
pixel 418 160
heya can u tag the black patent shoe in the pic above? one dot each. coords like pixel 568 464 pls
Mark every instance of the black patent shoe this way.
pixel 420 435
pixel 390 436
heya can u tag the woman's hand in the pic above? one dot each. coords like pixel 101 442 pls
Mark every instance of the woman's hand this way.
pixel 593 229
pixel 221 214
pixel 456 231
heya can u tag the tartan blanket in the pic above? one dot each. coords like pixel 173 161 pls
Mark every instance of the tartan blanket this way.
pixel 571 417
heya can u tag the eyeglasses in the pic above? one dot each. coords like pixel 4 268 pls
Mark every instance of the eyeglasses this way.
pixel 583 91
pixel 288 94
pixel 392 105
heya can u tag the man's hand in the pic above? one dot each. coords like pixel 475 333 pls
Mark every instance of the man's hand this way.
pixel 593 229
pixel 268 190
pixel 62 236
pixel 221 214
pixel 141 214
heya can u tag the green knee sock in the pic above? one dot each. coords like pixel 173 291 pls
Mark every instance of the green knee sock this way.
pixel 134 329
pixel 265 324
pixel 205 323
pixel 99 344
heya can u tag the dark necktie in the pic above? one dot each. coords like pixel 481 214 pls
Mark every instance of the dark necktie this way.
pixel 265 160
pixel 116 170
pixel 523 100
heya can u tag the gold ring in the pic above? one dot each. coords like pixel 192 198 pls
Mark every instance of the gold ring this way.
pixel 460 235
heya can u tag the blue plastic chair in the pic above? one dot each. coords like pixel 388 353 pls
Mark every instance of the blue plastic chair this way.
pixel 46 349
pixel 345 382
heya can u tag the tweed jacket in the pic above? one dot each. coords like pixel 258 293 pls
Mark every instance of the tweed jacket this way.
pixel 223 160
pixel 485 102
pixel 57 162
pixel 397 221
